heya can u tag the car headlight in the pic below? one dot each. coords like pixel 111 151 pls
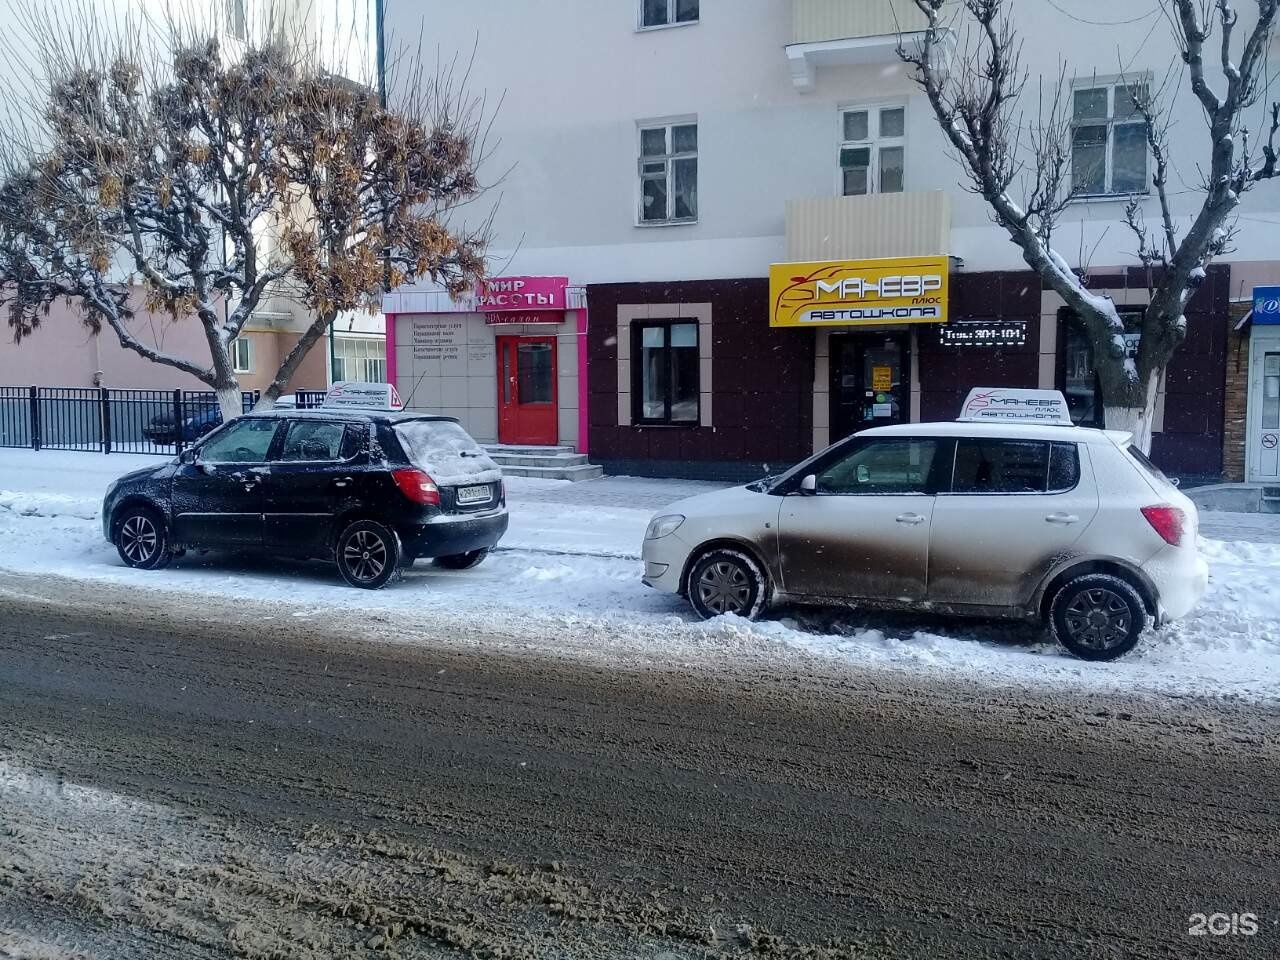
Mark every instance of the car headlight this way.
pixel 660 527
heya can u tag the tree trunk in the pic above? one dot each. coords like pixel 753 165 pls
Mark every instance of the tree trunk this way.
pixel 1136 419
pixel 230 400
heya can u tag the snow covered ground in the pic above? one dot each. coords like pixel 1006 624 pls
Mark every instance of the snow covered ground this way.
pixel 570 558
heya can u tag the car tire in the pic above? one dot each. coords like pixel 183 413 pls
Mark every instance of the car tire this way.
pixel 462 561
pixel 727 581
pixel 368 554
pixel 142 539
pixel 1098 616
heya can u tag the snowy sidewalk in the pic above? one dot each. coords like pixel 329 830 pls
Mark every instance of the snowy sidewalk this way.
pixel 568 569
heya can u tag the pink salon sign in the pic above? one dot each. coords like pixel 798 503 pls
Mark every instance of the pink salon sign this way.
pixel 500 294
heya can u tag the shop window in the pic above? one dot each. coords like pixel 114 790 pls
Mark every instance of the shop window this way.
pixel 667 13
pixel 1077 377
pixel 873 150
pixel 359 359
pixel 1108 141
pixel 1271 391
pixel 668 170
pixel 242 355
pixel 664 370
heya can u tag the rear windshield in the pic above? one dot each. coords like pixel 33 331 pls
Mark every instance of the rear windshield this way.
pixel 446 451
pixel 1147 465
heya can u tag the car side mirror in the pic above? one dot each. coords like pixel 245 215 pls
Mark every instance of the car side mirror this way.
pixel 187 456
pixel 809 486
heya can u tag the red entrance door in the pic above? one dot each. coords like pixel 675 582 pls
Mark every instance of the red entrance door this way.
pixel 527 391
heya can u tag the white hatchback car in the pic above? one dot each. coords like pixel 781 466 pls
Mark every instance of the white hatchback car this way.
pixel 1068 525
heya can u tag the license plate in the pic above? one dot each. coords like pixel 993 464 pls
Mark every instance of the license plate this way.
pixel 474 494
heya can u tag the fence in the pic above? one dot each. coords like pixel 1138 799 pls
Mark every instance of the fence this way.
pixel 93 419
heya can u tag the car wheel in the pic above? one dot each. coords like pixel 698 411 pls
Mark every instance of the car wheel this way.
pixel 368 554
pixel 1098 616
pixel 462 561
pixel 727 581
pixel 142 540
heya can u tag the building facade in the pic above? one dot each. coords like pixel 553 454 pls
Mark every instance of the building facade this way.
pixel 670 156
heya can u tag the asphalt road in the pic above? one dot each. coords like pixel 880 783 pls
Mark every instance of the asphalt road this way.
pixel 199 783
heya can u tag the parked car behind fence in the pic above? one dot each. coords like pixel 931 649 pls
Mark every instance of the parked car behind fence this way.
pixel 108 420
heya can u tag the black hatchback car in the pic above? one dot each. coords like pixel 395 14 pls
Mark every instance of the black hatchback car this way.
pixel 372 491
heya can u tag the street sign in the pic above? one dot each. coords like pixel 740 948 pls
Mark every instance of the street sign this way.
pixel 1266 305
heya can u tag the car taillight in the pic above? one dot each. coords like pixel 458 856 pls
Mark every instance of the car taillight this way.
pixel 1169 522
pixel 417 486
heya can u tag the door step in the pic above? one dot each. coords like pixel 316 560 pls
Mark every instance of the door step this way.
pixel 549 463
pixel 581 471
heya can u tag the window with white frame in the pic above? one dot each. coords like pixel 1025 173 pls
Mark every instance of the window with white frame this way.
pixel 360 359
pixel 873 149
pixel 667 13
pixel 238 19
pixel 1108 140
pixel 669 172
pixel 242 355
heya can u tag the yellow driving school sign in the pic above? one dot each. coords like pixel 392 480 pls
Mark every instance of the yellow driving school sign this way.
pixel 859 293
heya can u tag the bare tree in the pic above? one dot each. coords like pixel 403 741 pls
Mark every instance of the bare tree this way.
pixel 164 172
pixel 977 99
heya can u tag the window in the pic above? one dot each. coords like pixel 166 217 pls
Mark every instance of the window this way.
pixel 872 150
pixel 238 19
pixel 1270 391
pixel 881 467
pixel 1015 466
pixel 359 359
pixel 314 440
pixel 667 13
pixel 669 173
pixel 245 441
pixel 1078 380
pixel 242 355
pixel 1108 141
pixel 535 372
pixel 664 370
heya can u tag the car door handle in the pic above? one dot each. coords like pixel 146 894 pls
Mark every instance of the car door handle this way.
pixel 342 482
pixel 1062 518
pixel 911 518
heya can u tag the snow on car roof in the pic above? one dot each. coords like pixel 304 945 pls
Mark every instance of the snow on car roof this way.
pixel 344 413
pixel 1010 431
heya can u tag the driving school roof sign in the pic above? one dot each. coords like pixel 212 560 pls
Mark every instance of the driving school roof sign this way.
pixel 1015 406
pixel 859 293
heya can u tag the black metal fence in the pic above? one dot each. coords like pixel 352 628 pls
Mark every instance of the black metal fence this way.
pixel 99 419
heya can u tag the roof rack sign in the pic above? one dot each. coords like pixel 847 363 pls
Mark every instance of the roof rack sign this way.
pixel 350 395
pixel 1015 406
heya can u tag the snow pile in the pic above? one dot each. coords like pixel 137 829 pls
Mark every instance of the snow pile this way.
pixel 49 505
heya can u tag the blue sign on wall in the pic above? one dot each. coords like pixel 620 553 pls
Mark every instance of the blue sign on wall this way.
pixel 1266 305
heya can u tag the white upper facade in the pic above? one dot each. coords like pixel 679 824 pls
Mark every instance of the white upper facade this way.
pixel 768 84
